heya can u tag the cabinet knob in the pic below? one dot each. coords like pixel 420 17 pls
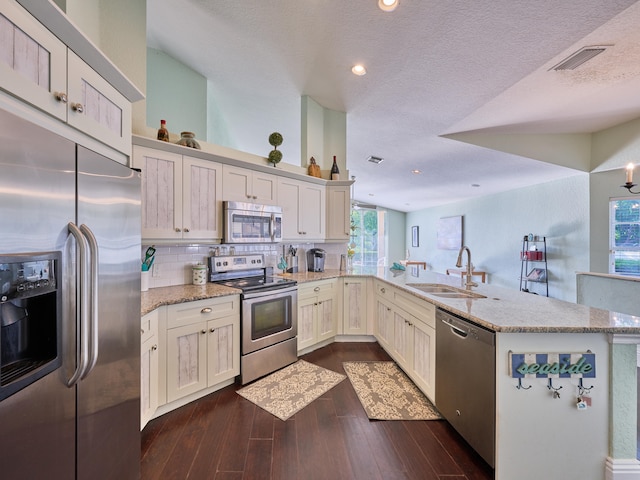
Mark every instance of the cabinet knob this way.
pixel 178 230
pixel 206 310
pixel 316 303
pixel 60 96
pixel 186 230
pixel 212 330
pixel 388 309
pixel 77 107
pixel 142 331
pixel 154 348
pixel 319 303
pixel 203 332
pixel 382 290
pixel 317 289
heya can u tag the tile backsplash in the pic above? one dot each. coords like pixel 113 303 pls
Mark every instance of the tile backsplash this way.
pixel 172 264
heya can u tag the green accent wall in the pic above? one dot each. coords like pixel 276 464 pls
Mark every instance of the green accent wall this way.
pixel 177 94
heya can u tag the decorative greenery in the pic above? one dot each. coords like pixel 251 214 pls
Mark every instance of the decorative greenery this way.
pixel 275 156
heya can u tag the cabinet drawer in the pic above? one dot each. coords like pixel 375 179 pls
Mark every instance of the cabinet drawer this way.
pixel 417 307
pixel 321 287
pixel 149 326
pixel 383 290
pixel 202 310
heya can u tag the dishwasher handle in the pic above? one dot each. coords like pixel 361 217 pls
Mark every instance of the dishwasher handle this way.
pixel 454 329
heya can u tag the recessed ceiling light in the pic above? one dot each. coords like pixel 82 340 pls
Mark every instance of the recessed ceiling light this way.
pixel 387 5
pixel 416 172
pixel 359 70
pixel 375 160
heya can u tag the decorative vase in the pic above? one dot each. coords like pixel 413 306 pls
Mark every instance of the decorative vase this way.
pixel 188 139
pixel 349 264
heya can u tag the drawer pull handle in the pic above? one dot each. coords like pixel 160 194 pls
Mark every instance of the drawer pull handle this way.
pixel 154 348
pixel 206 310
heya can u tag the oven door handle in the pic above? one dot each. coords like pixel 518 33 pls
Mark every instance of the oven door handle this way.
pixel 270 292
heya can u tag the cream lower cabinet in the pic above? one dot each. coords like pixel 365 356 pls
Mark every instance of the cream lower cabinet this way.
pixel 317 312
pixel 181 196
pixel 149 367
pixel 354 306
pixel 203 345
pixel 405 328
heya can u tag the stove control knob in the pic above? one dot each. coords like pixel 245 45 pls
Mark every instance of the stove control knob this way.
pixel 224 263
pixel 259 261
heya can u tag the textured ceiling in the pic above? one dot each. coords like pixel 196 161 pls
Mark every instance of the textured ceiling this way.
pixel 435 68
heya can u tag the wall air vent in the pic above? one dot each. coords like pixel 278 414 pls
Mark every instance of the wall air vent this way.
pixel 375 160
pixel 576 59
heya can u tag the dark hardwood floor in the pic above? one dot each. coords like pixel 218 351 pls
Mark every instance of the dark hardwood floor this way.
pixel 223 436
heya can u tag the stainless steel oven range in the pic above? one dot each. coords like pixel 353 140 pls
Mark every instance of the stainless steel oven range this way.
pixel 268 316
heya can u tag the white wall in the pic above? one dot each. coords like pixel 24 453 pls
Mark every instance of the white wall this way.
pixel 493 228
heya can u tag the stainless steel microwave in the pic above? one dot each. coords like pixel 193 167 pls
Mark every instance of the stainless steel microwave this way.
pixel 252 223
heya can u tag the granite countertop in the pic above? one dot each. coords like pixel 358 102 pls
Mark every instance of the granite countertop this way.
pixel 157 297
pixel 503 310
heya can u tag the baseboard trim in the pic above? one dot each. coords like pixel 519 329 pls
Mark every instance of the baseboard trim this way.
pixel 622 469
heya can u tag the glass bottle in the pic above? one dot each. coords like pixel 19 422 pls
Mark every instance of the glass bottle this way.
pixel 163 133
pixel 335 172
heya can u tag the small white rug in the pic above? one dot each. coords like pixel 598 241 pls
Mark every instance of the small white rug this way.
pixel 287 391
pixel 386 393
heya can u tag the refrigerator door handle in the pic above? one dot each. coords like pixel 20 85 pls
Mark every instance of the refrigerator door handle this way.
pixel 82 335
pixel 93 293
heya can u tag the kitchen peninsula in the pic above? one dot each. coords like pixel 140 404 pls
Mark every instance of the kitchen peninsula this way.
pixel 540 432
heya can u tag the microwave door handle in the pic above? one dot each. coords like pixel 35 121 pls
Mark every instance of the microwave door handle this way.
pixel 93 280
pixel 272 226
pixel 82 331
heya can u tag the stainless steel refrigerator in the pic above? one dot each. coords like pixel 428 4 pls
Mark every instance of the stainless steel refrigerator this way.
pixel 81 419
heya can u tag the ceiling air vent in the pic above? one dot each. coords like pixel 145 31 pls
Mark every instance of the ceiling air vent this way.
pixel 375 160
pixel 576 59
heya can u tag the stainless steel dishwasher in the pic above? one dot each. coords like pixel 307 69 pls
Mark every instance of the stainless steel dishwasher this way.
pixel 466 380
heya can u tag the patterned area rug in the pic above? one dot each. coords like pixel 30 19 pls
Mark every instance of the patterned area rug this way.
pixel 287 391
pixel 386 393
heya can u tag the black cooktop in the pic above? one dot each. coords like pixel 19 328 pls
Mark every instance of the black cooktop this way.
pixel 264 282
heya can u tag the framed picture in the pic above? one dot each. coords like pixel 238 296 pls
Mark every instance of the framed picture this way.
pixel 415 236
pixel 450 233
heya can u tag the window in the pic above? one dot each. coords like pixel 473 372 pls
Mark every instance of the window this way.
pixel 368 236
pixel 624 237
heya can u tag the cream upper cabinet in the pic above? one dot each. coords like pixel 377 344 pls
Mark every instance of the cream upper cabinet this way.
pixel 338 213
pixel 95 107
pixel 33 62
pixel 303 207
pixel 245 185
pixel 180 196
pixel 38 68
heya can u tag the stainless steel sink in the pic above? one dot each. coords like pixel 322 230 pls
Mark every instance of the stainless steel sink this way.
pixel 444 291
